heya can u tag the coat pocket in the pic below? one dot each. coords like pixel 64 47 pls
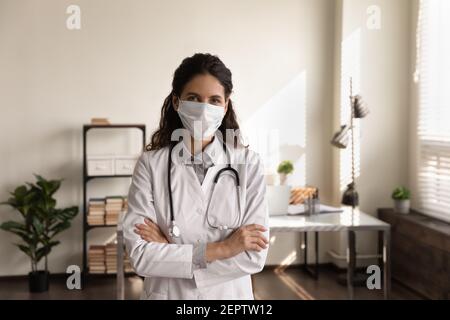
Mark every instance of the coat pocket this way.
pixel 155 288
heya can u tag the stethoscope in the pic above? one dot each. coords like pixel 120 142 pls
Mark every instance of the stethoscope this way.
pixel 174 230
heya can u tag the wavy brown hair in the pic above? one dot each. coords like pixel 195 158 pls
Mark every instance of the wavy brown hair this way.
pixel 199 63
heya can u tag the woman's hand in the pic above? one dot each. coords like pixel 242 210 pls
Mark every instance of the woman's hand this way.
pixel 248 237
pixel 150 232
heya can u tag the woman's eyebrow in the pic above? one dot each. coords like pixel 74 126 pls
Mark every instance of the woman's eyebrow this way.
pixel 198 96
pixel 192 94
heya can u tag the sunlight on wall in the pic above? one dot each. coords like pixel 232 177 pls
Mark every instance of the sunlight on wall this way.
pixel 277 130
pixel 350 68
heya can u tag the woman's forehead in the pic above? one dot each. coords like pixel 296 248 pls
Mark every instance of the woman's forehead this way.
pixel 204 85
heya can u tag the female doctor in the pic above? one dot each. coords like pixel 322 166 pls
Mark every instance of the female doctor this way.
pixel 197 221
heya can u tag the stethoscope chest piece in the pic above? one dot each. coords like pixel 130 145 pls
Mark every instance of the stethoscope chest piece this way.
pixel 175 231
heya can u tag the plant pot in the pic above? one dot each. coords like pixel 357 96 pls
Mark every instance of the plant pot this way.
pixel 38 281
pixel 283 177
pixel 278 199
pixel 402 206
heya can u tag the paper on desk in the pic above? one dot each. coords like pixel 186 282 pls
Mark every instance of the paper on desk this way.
pixel 295 209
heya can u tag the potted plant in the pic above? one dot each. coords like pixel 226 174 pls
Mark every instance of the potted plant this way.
pixel 401 197
pixel 40 222
pixel 284 168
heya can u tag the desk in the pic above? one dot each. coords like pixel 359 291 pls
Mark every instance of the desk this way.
pixel 350 220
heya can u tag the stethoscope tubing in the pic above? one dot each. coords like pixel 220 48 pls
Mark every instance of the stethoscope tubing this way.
pixel 174 231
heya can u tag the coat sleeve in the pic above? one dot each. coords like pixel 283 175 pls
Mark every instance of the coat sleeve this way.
pixel 247 262
pixel 151 258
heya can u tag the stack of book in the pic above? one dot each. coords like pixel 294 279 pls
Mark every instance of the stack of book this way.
pixel 111 257
pixel 96 258
pixel 96 212
pixel 100 121
pixel 113 208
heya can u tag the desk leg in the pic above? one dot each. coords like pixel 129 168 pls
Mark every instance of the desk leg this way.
pixel 305 250
pixel 316 244
pixel 380 248
pixel 351 263
pixel 313 272
pixel 387 262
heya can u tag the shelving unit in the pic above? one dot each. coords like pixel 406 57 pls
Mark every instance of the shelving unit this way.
pixel 86 179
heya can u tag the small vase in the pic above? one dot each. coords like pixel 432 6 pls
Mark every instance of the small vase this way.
pixel 402 206
pixel 38 281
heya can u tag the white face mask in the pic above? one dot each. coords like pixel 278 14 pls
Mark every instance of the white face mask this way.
pixel 201 119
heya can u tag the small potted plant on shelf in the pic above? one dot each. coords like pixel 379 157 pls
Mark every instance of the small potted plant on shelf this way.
pixel 401 197
pixel 284 168
pixel 40 222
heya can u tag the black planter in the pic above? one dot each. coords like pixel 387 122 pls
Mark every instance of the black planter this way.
pixel 38 281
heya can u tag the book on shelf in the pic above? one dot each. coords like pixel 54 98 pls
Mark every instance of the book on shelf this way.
pixel 106 211
pixel 96 211
pixel 114 207
pixel 95 221
pixel 96 259
pixel 103 259
pixel 100 121
pixel 111 257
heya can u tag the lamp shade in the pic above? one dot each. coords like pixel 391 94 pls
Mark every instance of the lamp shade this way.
pixel 340 138
pixel 360 107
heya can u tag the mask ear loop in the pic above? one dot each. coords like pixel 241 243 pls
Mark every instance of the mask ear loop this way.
pixel 180 102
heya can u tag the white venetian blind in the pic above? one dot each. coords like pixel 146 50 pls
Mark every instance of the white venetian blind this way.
pixel 433 76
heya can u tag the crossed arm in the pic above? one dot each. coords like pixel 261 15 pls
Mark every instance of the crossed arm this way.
pixel 248 237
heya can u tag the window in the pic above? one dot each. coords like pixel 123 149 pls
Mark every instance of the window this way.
pixel 433 127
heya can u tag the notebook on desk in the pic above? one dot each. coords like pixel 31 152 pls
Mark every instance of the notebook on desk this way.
pixel 299 209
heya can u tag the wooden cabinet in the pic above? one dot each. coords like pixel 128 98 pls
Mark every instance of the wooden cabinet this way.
pixel 420 252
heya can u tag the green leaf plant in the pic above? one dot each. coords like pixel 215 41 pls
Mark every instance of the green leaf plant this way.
pixel 40 220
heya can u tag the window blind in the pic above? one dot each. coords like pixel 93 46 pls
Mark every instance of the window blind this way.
pixel 433 127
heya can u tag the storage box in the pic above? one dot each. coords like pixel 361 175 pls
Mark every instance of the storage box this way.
pixel 124 165
pixel 100 165
pixel 109 165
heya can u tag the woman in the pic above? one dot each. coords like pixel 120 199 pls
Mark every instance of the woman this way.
pixel 197 221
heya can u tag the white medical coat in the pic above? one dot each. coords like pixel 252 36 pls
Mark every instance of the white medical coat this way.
pixel 168 268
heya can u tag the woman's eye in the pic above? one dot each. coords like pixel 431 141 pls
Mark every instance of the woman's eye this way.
pixel 191 98
pixel 216 102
